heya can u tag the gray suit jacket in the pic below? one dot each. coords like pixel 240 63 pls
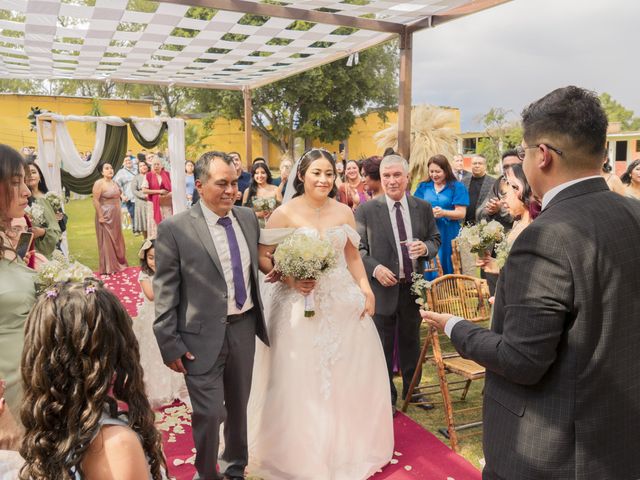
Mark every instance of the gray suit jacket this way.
pixel 377 243
pixel 190 289
pixel 485 191
pixel 562 390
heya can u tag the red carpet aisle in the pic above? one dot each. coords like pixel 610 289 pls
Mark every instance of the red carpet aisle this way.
pixel 419 455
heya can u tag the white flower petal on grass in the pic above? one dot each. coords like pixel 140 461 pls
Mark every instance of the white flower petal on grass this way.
pixel 393 461
pixel 397 454
pixel 408 468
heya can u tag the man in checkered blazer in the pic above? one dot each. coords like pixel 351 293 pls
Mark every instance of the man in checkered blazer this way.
pixel 562 392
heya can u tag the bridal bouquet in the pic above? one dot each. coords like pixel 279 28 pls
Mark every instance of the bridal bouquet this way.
pixel 502 252
pixel 60 269
pixel 420 287
pixel 36 214
pixel 54 200
pixel 304 257
pixel 482 236
pixel 261 204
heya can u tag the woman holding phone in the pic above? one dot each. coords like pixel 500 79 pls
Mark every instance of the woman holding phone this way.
pixel 17 288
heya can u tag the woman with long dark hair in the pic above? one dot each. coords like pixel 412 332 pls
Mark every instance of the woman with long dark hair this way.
pixel 261 195
pixel 80 359
pixel 45 226
pixel 449 199
pixel 631 178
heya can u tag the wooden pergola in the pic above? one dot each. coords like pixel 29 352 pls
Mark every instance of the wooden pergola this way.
pixel 107 40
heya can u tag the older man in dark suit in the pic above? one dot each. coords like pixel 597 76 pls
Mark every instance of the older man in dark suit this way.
pixel 398 233
pixel 563 376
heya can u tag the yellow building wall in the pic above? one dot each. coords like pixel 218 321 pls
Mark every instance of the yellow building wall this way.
pixel 15 127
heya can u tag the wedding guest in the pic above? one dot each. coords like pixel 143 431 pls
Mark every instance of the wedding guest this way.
pixel 261 195
pixel 80 359
pixel 631 178
pixel 562 376
pixel 339 172
pixel 162 385
pixel 33 259
pixel 124 179
pixel 140 199
pixel 492 207
pixel 352 191
pixel 244 178
pixel 17 292
pixel 258 160
pixel 157 187
pixel 286 164
pixel 479 187
pixel 613 181
pixel 458 168
pixel 190 184
pixel 371 176
pixel 106 201
pixel 45 226
pixel 449 200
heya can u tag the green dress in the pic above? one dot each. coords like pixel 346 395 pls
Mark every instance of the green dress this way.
pixel 17 296
pixel 47 244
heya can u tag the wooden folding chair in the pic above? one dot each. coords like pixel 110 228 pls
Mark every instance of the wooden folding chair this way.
pixel 466 297
pixel 433 265
pixel 456 258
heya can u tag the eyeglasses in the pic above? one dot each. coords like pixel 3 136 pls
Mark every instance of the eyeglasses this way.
pixel 520 150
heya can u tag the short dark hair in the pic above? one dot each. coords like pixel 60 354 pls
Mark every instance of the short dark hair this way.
pixel 572 113
pixel 512 152
pixel 371 167
pixel 306 160
pixel 201 171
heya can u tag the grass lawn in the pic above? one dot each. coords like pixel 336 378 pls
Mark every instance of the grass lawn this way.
pixel 83 247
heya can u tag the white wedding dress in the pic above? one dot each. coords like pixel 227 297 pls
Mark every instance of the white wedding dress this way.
pixel 319 406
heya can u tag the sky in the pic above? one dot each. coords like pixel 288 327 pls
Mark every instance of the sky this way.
pixel 513 54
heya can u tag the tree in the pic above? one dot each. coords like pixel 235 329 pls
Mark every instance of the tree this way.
pixel 501 133
pixel 320 103
pixel 616 112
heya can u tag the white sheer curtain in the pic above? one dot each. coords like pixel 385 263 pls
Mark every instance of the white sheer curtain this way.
pixel 148 127
pixel 176 156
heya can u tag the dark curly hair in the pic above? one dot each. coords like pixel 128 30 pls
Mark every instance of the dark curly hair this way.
pixel 80 356
pixel 306 160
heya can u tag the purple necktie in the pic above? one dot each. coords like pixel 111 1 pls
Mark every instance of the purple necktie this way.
pixel 407 264
pixel 236 261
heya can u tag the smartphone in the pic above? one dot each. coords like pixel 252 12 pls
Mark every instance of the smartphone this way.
pixel 23 244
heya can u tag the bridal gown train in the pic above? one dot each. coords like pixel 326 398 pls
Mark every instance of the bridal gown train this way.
pixel 319 406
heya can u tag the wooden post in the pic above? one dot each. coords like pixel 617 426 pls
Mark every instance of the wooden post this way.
pixel 404 97
pixel 248 154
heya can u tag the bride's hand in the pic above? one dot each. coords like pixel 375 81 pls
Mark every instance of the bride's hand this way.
pixel 273 276
pixel 303 286
pixel 369 304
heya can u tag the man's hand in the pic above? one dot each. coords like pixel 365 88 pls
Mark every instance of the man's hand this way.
pixel 417 249
pixel 493 206
pixel 385 277
pixel 437 320
pixel 177 365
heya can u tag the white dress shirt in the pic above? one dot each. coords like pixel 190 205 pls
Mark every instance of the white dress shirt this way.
pixel 547 197
pixel 221 244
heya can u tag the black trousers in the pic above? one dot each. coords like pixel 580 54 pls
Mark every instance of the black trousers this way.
pixel 409 320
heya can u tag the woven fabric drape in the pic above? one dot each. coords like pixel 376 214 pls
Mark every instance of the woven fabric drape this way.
pixel 115 146
pixel 145 142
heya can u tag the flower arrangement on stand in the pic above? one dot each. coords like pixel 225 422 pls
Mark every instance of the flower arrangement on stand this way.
pixel 304 257
pixel 482 237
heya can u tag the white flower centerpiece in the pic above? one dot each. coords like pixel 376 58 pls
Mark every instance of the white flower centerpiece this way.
pixel 482 236
pixel 60 269
pixel 304 257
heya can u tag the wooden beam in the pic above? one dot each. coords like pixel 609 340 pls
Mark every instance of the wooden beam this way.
pixel 467 8
pixel 246 94
pixel 404 97
pixel 280 11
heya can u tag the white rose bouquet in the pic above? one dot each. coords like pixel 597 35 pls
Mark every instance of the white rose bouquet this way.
pixel 36 214
pixel 60 269
pixel 264 204
pixel 482 236
pixel 420 288
pixel 54 200
pixel 304 257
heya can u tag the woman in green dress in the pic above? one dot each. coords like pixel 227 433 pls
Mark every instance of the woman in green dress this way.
pixel 17 288
pixel 45 227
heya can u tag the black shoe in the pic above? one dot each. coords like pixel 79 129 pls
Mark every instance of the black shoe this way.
pixel 424 401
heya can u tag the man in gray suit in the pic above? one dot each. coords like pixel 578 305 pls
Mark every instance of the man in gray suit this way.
pixel 398 234
pixel 208 311
pixel 479 185
pixel 563 376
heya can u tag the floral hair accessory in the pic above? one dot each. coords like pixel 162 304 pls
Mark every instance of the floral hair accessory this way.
pixel 143 249
pixel 51 293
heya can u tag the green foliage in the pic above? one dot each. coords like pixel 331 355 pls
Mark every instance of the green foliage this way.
pixel 616 112
pixel 33 87
pixel 96 110
pixel 501 133
pixel 321 103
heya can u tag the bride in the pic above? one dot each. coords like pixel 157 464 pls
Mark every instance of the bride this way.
pixel 319 405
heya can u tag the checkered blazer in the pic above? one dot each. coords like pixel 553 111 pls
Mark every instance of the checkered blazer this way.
pixel 562 393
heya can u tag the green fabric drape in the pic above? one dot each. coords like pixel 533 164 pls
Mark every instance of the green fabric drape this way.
pixel 140 139
pixel 115 146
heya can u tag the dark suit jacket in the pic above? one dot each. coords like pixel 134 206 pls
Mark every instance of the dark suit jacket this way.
pixel 378 245
pixel 485 191
pixel 562 392
pixel 190 289
pixel 465 175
